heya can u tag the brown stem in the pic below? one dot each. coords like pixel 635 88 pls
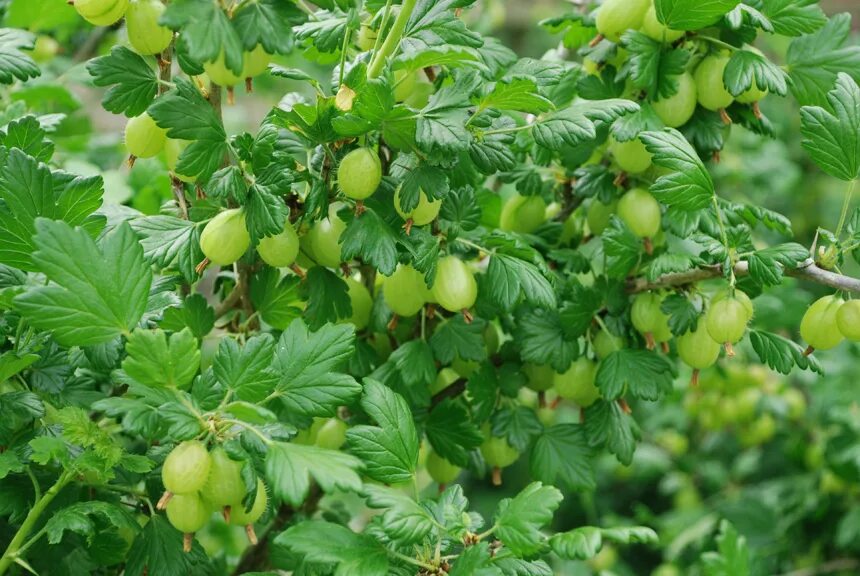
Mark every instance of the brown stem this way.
pixel 202 266
pixel 497 476
pixel 730 350
pixel 724 116
pixel 694 378
pixel 187 541
pixel 164 500
pixel 649 246
pixel 625 407
pixel 392 324
pixel 467 315
pixel 595 41
pixel 179 193
pixel 252 536
pixel 809 350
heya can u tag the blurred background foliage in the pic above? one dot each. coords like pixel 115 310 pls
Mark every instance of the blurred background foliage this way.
pixel 777 456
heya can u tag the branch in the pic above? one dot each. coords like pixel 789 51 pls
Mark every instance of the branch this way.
pixel 807 270
pixel 453 390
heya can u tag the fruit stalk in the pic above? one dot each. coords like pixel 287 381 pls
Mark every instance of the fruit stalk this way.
pixel 11 553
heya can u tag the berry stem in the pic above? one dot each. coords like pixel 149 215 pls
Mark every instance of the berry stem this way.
pixel 497 476
pixel 392 40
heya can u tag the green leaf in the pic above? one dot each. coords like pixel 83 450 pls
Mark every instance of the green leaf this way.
pixel 519 519
pixel 578 314
pixel 27 135
pixel 518 424
pixel 14 64
pixel 493 152
pixel 643 373
pixel 452 433
pixel 746 68
pixel 414 363
pixel 404 520
pixel 578 544
pixel 389 449
pixel 622 248
pixel 206 32
pixel 577 124
pixel 96 292
pixel 132 80
pixel 441 126
pixel 290 467
pixel 194 314
pixel 369 238
pixel 794 17
pixel 766 266
pixel 562 456
pixel 326 31
pixel 327 295
pixel 170 243
pixel 654 66
pixel 267 23
pixel 832 136
pixel 158 550
pixel 692 14
pixel 352 554
pixel 608 425
pixel 732 557
pixel 418 177
pixel 266 211
pixel 10 463
pixel 309 365
pixel 689 186
pixel 509 278
pixel 814 60
pixel 631 535
pixel 276 298
pixel 519 94
pixel 27 191
pixel 155 361
pixel 683 315
pixel 455 338
pixel 543 339
pixel 781 354
pixel 246 370
pixel 187 115
pixel 76 518
pixel 473 560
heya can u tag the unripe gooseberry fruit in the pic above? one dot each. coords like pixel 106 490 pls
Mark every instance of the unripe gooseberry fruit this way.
pixel 423 213
pixel 362 304
pixel 819 327
pixel 605 344
pixel 649 319
pixel 404 290
pixel 329 433
pixel 710 89
pixel 255 62
pixel 173 149
pixel 238 515
pixel 677 109
pixel 631 156
pixel 599 215
pixel 143 137
pixel 498 454
pixel 101 12
pixel 726 322
pixel 45 48
pixel 641 212
pixel 280 250
pixel 441 470
pixel 366 37
pixel 444 378
pixel 848 320
pixel 145 35
pixel 540 376
pixel 404 84
pixel 324 238
pixel 738 295
pixel 698 350
pixel 577 383
pixel 658 31
pixel 359 173
pixel 188 513
pixel 220 74
pixel 523 214
pixel 224 485
pixel 225 238
pixel 455 288
pixel 614 17
pixel 186 468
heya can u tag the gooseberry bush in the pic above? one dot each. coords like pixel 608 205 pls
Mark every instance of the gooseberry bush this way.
pixel 433 261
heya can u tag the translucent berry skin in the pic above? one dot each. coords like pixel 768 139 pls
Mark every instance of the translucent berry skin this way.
pixel 726 320
pixel 848 320
pixel 423 213
pixel 455 287
pixel 631 156
pixel 188 513
pixel 329 433
pixel 617 16
pixel 404 290
pixel 441 470
pixel 225 238
pixel 577 383
pixel 710 89
pixel 359 173
pixel 366 37
pixel 255 62
pixel 220 74
pixel 656 30
pixel 101 12
pixel 523 214
pixel 280 250
pixel 224 485
pixel 645 312
pixel 186 468
pixel 173 149
pixel 641 212
pixel 599 215
pixel 697 349
pixel 738 295
pixel 238 516
pixel 677 109
pixel 819 326
pixel 605 344
pixel 498 453
pixel 324 237
pixel 145 35
pixel 143 137
pixel 540 376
